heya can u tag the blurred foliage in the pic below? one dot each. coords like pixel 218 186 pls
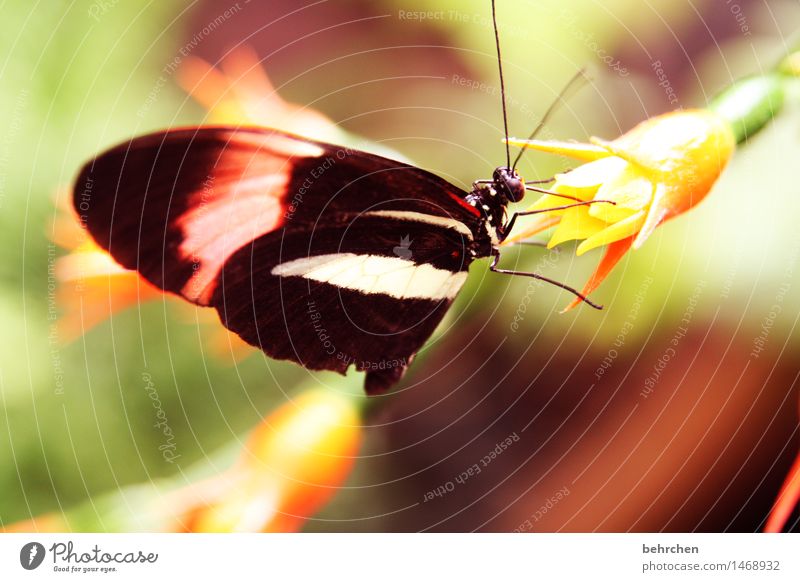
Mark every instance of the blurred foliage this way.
pixel 77 420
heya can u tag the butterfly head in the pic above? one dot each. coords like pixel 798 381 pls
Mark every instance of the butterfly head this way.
pixel 509 184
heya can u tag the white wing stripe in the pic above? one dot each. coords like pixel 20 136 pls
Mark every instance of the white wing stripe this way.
pixel 391 276
pixel 425 218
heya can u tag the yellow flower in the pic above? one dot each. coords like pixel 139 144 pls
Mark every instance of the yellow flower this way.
pixel 658 170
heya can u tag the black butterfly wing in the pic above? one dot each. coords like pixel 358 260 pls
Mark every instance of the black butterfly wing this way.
pixel 315 253
pixel 347 313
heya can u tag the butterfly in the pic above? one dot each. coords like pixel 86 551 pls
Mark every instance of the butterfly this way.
pixel 319 254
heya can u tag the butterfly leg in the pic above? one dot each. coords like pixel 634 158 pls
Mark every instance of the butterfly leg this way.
pixel 550 192
pixel 494 269
pixel 477 184
pixel 530 243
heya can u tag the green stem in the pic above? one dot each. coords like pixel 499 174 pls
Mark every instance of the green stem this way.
pixel 750 104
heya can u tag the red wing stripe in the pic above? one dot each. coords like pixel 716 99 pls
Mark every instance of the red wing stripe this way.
pixel 213 234
pixel 243 199
pixel 465 204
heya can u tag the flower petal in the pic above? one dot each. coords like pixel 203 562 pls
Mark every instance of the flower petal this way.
pixel 584 181
pixel 205 84
pixel 593 174
pixel 581 183
pixel 614 253
pixel 630 190
pixel 80 265
pixel 576 224
pixel 656 215
pixel 548 201
pixel 579 151
pixel 613 233
pixel 699 141
pixel 532 227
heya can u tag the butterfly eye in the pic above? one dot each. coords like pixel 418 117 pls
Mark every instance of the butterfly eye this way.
pixel 516 188
pixel 509 183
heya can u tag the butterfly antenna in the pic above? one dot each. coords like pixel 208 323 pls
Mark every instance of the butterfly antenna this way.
pixel 502 83
pixel 577 79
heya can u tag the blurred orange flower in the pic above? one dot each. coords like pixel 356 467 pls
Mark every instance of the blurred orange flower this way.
pixel 292 465
pixel 787 500
pixel 91 285
pixel 240 92
pixel 656 171
pixel 47 523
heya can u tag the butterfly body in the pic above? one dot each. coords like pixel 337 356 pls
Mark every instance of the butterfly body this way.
pixel 315 253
